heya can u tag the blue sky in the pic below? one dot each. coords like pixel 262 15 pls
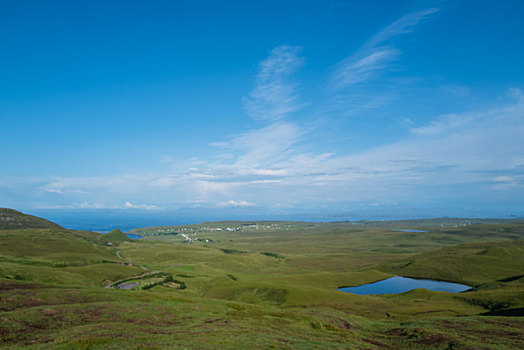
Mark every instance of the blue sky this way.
pixel 317 106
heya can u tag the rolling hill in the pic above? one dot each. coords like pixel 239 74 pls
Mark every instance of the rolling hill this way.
pixel 11 219
pixel 261 285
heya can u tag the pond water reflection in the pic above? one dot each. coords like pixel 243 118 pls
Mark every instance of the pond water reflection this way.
pixel 399 284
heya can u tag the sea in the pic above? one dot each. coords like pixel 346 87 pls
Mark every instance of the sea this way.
pixel 104 221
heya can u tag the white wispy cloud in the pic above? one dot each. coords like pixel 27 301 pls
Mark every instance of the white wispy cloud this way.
pixel 234 203
pixel 266 145
pixel 91 205
pixel 53 190
pixel 251 155
pixel 376 54
pixel 458 149
pixel 403 25
pixel 363 66
pixel 274 96
pixel 444 124
pixel 271 165
pixel 452 149
pixel 476 152
pixel 129 205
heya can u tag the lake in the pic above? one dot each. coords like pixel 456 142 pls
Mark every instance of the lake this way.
pixel 406 230
pixel 399 284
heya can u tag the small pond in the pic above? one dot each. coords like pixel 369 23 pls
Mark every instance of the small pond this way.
pixel 127 285
pixel 406 230
pixel 133 236
pixel 399 284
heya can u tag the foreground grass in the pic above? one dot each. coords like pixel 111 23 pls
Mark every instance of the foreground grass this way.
pixel 271 286
pixel 99 319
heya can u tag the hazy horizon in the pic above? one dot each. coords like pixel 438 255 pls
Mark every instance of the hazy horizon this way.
pixel 403 109
pixel 105 220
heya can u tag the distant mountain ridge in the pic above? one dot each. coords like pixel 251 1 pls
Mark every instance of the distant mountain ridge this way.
pixel 11 219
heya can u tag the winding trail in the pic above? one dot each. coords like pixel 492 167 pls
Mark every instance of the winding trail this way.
pixel 145 274
pixel 130 261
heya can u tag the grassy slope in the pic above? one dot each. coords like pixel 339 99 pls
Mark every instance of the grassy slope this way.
pixel 115 237
pixel 239 297
pixel 11 219
pixel 308 278
pixel 58 256
pixel 33 316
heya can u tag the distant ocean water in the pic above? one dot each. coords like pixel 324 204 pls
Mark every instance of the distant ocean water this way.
pixel 105 221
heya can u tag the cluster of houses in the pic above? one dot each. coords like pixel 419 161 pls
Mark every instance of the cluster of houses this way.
pixel 188 233
pixel 221 229
pixel 188 239
pixel 464 223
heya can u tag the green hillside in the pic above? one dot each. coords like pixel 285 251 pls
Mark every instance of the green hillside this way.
pixel 54 255
pixel 262 285
pixel 115 238
pixel 473 263
pixel 11 219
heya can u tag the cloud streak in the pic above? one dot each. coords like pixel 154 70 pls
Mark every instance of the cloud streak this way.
pixel 274 96
pixel 404 25
pixel 477 153
pixel 266 145
pixel 377 54
pixel 363 66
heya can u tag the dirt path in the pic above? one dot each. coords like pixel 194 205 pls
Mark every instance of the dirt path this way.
pixel 116 283
pixel 130 261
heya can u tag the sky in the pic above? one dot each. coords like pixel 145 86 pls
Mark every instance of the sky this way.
pixel 324 106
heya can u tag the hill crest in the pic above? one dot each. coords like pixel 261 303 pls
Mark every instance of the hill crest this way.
pixel 11 219
pixel 114 237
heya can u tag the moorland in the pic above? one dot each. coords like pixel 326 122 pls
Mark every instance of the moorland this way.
pixel 268 284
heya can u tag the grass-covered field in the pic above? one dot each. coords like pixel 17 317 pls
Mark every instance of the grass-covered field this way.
pixel 264 284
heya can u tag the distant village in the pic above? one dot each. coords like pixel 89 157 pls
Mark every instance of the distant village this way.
pixel 189 233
